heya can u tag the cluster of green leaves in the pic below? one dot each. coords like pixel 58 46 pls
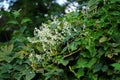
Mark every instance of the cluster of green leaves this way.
pixel 12 24
pixel 90 54
pixel 99 42
pixel 37 10
pixel 14 63
pixel 93 53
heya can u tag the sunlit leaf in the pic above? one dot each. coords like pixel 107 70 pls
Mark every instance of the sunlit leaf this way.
pixel 91 62
pixel 16 13
pixel 103 39
pixel 73 46
pixel 116 66
pixel 12 22
pixel 25 20
pixel 81 63
pixel 80 73
pixel 64 62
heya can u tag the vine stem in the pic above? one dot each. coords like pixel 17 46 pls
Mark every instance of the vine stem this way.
pixel 72 53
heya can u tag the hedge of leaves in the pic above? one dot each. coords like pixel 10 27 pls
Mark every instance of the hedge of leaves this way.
pixel 78 46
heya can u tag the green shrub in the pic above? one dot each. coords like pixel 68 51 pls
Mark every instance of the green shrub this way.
pixel 78 46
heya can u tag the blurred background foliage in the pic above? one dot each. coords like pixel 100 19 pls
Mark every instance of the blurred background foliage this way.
pixel 38 11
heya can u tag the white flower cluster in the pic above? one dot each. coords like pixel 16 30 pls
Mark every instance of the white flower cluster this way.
pixel 72 8
pixel 85 10
pixel 52 34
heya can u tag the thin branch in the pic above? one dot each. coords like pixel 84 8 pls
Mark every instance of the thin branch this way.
pixel 72 53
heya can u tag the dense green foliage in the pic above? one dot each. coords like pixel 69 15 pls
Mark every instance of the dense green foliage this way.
pixel 81 45
pixel 34 12
pixel 37 9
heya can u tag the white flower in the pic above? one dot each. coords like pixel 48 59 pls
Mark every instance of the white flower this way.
pixel 71 7
pixel 52 34
pixel 85 8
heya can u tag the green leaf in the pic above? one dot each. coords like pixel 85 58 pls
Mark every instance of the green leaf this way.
pixel 23 28
pixel 93 76
pixel 25 20
pixel 63 62
pixel 114 1
pixel 104 68
pixel 100 53
pixel 114 44
pixel 117 50
pixel 18 75
pixel 97 67
pixel 103 39
pixel 85 54
pixel 73 46
pixel 5 52
pixel 12 22
pixel 19 67
pixel 16 13
pixel 91 62
pixel 115 13
pixel 116 66
pixel 5 68
pixel 5 76
pixel 64 49
pixel 58 71
pixel 80 73
pixel 30 75
pixel 81 63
